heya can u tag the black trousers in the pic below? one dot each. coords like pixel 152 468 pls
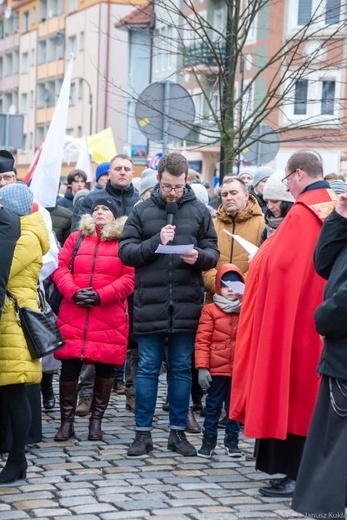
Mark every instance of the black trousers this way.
pixel 35 432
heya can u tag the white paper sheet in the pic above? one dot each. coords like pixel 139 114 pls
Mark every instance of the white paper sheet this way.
pixel 238 287
pixel 248 246
pixel 174 250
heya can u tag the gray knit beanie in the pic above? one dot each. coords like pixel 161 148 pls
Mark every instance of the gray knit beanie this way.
pixel 274 188
pixel 148 180
pixel 262 173
pixel 18 198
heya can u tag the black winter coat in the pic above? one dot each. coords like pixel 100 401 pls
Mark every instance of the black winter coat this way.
pixel 126 198
pixel 330 259
pixel 169 293
pixel 9 234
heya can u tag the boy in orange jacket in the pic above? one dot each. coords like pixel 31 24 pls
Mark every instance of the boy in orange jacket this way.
pixel 214 357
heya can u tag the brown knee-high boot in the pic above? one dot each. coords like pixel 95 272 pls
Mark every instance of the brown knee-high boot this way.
pixel 101 397
pixel 68 402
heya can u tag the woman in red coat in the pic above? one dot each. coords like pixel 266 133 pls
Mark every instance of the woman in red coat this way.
pixel 93 316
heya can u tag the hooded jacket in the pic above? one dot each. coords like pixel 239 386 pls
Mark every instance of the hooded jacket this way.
pixel 97 334
pixel 216 335
pixel 249 224
pixel 16 365
pixel 169 293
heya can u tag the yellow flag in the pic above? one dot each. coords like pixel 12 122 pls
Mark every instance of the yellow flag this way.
pixel 101 145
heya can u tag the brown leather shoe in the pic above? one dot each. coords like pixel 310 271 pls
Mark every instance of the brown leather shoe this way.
pixel 192 425
pixel 84 404
pixel 129 401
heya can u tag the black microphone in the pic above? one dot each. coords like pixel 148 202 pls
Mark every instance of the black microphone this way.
pixel 171 210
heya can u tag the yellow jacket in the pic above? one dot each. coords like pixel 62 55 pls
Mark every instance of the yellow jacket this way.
pixel 16 365
pixel 249 224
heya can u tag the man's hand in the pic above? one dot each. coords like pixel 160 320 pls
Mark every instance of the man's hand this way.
pixel 341 206
pixel 204 378
pixel 191 257
pixel 167 234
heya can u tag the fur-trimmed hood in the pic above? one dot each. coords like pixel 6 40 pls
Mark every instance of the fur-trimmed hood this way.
pixel 108 233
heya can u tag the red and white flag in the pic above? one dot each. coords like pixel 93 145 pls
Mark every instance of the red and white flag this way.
pixel 46 177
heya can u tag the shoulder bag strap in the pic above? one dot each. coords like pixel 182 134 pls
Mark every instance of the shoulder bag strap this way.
pixel 75 251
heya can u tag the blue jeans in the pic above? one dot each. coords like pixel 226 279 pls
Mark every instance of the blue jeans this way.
pixel 151 354
pixel 218 393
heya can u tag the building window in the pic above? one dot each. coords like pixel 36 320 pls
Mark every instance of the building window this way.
pixel 321 12
pixel 247 100
pixel 72 5
pixel 24 102
pixel 82 41
pixel 72 44
pixel 332 11
pixel 328 97
pixel 42 52
pixel 26 18
pixel 25 62
pixel 300 97
pixel 316 98
pixel 72 98
pixel 304 11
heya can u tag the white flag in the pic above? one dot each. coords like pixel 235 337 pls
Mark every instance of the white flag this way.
pixel 45 181
pixel 83 161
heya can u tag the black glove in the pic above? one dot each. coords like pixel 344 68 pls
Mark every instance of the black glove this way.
pixel 91 297
pixel 78 297
pixel 86 298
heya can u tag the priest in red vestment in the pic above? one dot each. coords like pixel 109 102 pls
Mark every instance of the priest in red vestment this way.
pixel 275 382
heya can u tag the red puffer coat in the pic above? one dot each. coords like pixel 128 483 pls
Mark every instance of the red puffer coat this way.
pixel 99 333
pixel 216 334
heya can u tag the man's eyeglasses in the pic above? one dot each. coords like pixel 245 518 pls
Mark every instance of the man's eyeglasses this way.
pixel 285 179
pixel 6 177
pixel 167 188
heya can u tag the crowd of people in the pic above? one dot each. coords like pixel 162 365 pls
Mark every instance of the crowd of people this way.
pixel 161 273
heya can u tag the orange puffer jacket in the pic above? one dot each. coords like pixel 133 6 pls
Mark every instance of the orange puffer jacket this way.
pixel 216 335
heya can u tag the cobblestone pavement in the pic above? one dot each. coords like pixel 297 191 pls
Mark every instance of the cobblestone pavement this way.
pixel 95 481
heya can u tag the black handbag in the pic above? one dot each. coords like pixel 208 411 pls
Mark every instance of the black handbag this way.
pixel 40 327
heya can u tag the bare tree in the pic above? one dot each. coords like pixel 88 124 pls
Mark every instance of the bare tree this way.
pixel 243 89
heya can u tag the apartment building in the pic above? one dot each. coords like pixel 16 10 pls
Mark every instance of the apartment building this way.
pixel 37 38
pixel 287 71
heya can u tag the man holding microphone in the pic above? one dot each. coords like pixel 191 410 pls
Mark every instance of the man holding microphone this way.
pixel 168 296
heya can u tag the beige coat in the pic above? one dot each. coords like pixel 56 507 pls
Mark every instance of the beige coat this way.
pixel 249 224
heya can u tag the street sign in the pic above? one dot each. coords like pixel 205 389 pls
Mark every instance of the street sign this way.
pixel 165 112
pixel 262 146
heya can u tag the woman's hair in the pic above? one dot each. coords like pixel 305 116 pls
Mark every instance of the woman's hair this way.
pixel 284 207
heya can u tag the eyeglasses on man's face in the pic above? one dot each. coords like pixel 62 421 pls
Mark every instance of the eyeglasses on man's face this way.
pixel 167 188
pixel 6 177
pixel 285 179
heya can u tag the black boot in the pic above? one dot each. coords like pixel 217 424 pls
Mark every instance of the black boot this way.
pixel 68 402
pixel 231 446
pixel 209 443
pixel 15 468
pixel 20 416
pixel 142 445
pixel 48 398
pixel 178 442
pixel 101 397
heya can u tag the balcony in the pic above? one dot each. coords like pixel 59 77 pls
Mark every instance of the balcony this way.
pixel 201 54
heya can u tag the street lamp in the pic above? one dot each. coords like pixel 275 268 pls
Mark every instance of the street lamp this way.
pixel 90 102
